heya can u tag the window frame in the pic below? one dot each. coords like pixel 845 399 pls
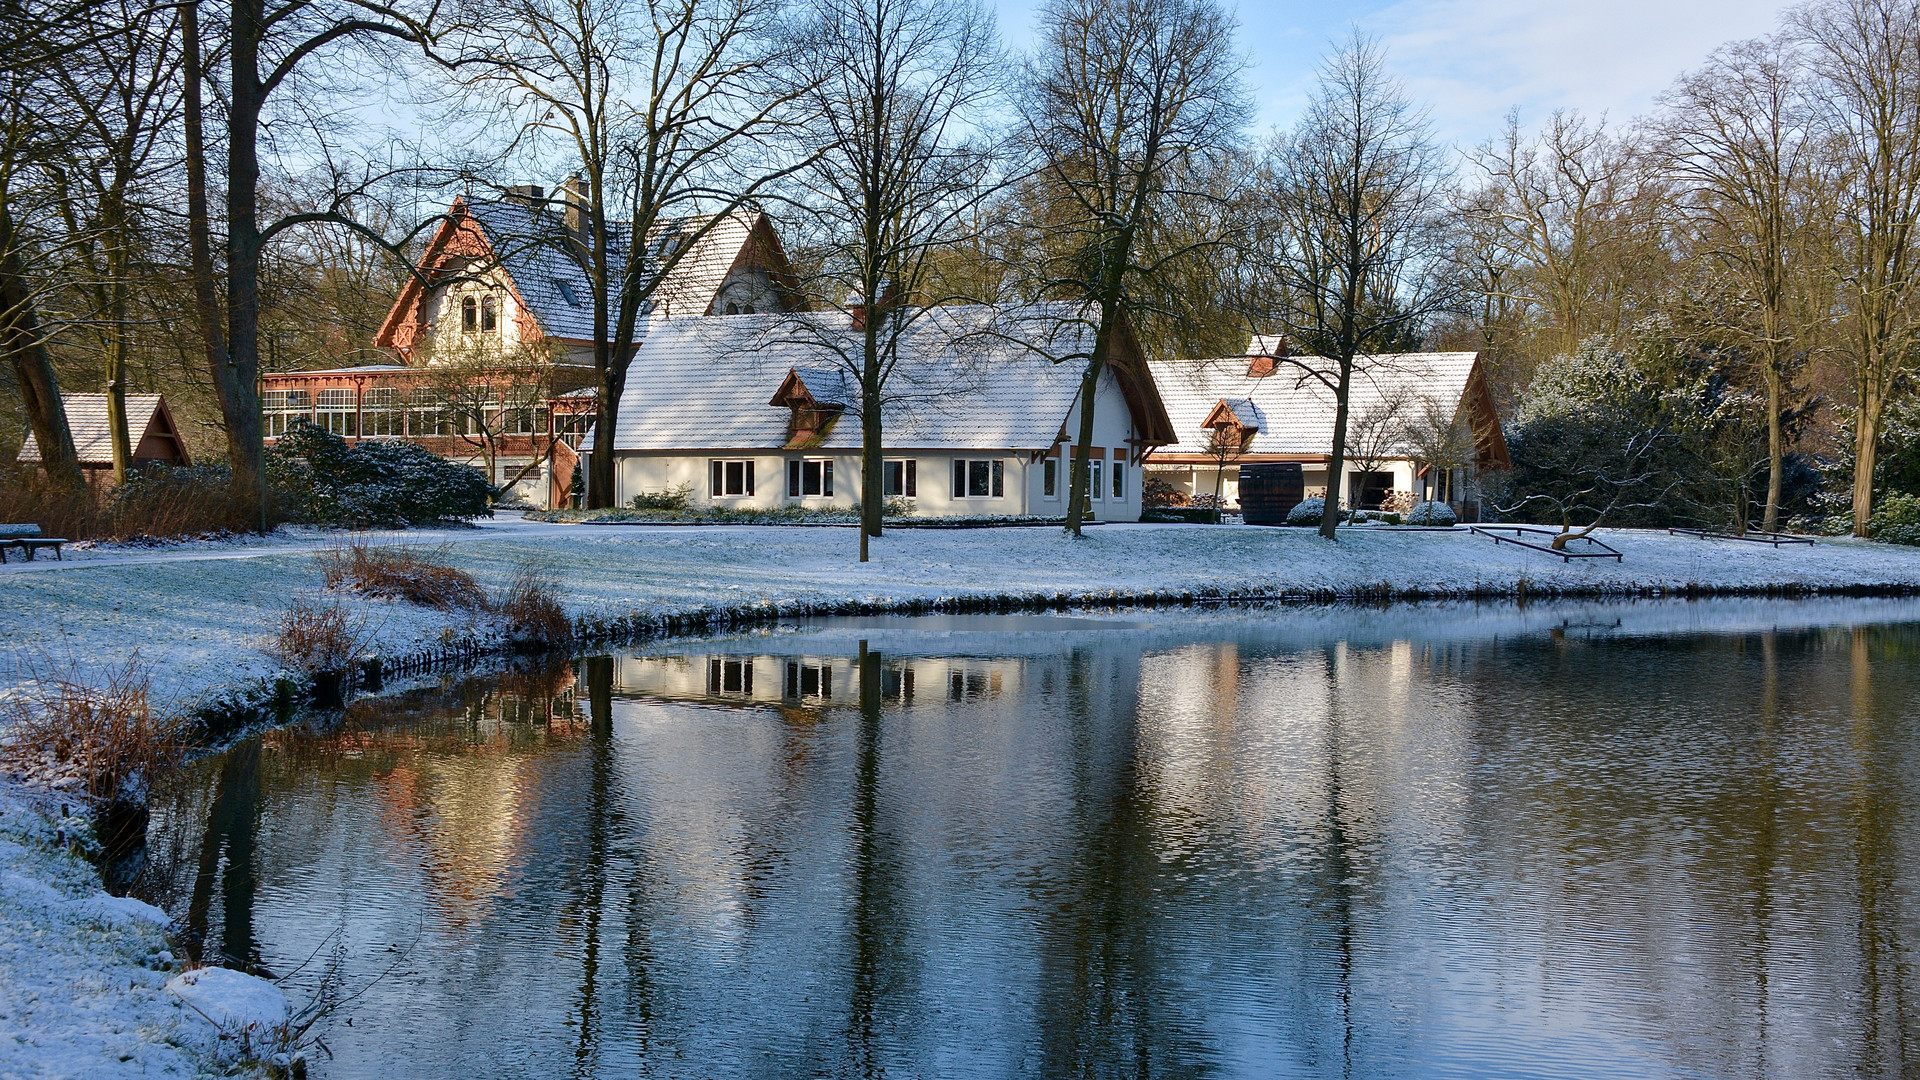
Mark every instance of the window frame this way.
pixel 719 480
pixel 1050 477
pixel 469 314
pixel 993 470
pixel 1118 480
pixel 1096 479
pixel 816 472
pixel 899 478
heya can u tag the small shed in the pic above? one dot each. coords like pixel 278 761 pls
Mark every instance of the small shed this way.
pixel 150 429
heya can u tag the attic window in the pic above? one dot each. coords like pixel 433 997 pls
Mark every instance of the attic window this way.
pixel 489 314
pixel 469 314
pixel 566 293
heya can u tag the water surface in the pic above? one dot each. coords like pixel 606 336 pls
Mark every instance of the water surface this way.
pixel 1660 839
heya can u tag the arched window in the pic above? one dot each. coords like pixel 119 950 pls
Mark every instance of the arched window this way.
pixel 469 314
pixel 489 314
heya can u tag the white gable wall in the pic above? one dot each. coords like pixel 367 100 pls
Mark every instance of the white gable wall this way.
pixel 1023 471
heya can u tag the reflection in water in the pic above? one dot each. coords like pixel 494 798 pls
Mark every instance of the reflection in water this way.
pixel 1644 841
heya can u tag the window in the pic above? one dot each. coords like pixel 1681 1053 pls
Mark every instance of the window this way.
pixel 813 476
pixel 729 676
pixel 566 292
pixel 1119 479
pixel 898 479
pixel 979 479
pixel 469 314
pixel 1050 478
pixel 732 478
pixel 489 314
pixel 427 414
pixel 1094 469
pixel 335 410
pixel 380 412
pixel 809 680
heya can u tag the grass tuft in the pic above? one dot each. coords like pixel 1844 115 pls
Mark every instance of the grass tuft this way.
pixel 533 612
pixel 319 634
pixel 400 573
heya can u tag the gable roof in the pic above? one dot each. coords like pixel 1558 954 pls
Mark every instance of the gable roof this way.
pixel 147 415
pixel 531 246
pixel 1295 412
pixel 968 377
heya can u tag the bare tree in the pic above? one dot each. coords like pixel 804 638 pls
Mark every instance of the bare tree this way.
pixel 489 395
pixel 1736 136
pixel 1865 55
pixel 1351 211
pixel 123 92
pixel 267 47
pixel 1440 442
pixel 668 109
pixel 1574 218
pixel 1377 433
pixel 35 37
pixel 1124 102
pixel 894 187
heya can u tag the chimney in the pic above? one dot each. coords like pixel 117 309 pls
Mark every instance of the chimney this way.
pixel 857 310
pixel 574 193
pixel 526 195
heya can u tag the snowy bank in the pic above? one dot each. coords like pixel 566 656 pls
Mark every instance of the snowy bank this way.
pixel 200 614
pixel 84 976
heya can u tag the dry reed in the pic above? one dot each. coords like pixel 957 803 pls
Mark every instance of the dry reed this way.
pixel 319 634
pixel 534 616
pixel 400 573
pixel 103 729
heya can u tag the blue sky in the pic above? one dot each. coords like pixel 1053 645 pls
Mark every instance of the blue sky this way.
pixel 1470 61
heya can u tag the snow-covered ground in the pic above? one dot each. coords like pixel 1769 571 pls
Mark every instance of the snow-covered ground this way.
pixel 200 613
pixel 87 986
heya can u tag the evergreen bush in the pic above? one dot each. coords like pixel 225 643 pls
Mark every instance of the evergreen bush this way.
pixel 1432 513
pixel 320 479
pixel 1307 512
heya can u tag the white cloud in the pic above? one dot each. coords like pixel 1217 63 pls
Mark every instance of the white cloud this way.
pixel 1472 60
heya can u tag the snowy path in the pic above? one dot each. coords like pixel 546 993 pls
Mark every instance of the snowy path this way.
pixel 199 614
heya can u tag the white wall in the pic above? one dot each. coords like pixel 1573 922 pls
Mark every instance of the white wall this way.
pixel 1023 483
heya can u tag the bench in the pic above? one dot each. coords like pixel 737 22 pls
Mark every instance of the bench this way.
pixel 1526 535
pixel 1776 539
pixel 27 540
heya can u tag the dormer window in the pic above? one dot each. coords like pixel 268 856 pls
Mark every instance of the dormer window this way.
pixel 469 314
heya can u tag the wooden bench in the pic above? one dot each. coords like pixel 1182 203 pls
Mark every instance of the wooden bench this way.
pixel 27 540
pixel 1776 539
pixel 1525 535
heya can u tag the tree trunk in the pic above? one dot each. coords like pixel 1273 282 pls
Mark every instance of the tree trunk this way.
pixel 1866 445
pixel 872 501
pixel 206 297
pixel 1337 461
pixel 33 369
pixel 600 463
pixel 1776 455
pixel 236 379
pixel 1083 448
pixel 117 311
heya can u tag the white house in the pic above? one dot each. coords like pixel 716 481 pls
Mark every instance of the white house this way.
pixel 760 411
pixel 1264 407
pixel 501 283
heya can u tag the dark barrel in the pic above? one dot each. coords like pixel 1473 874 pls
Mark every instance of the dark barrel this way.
pixel 1270 489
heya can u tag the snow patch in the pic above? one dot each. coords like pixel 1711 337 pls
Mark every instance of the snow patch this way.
pixel 233 1001
pixel 119 911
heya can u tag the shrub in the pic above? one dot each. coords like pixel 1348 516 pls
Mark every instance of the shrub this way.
pixel 1307 511
pixel 319 634
pixel 1399 502
pixel 671 499
pixel 155 501
pixel 1192 515
pixel 322 480
pixel 1896 520
pixel 1155 492
pixel 1432 513
pixel 399 573
pixel 106 730
pixel 534 616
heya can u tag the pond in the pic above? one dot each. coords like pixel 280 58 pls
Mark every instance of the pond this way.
pixel 1647 839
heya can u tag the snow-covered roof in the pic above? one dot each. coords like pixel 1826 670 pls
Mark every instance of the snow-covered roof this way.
pixel 92 436
pixel 1293 411
pixel 531 243
pixel 969 377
